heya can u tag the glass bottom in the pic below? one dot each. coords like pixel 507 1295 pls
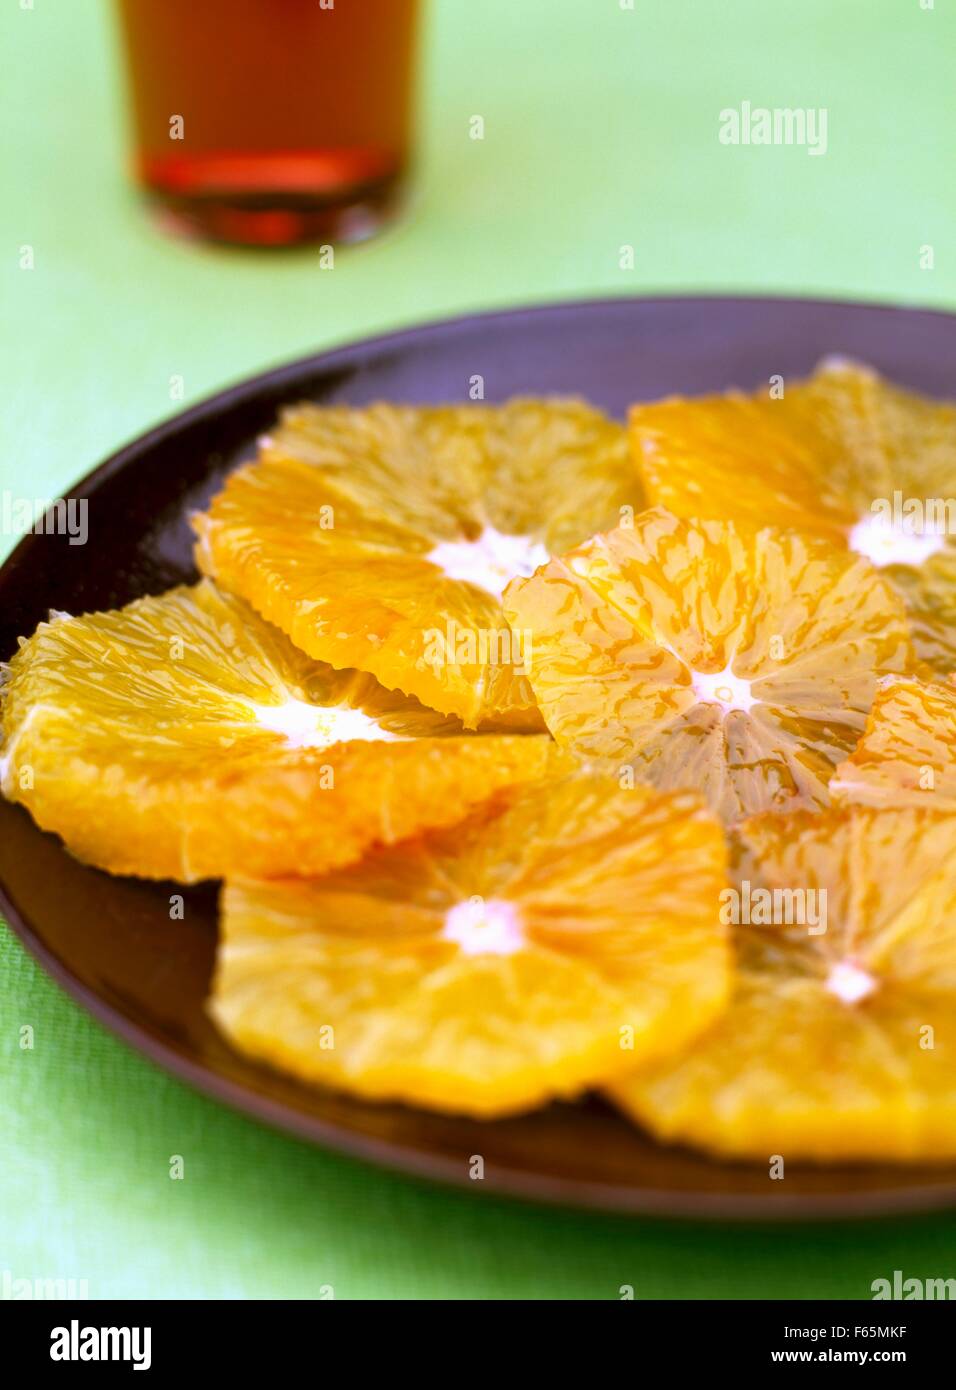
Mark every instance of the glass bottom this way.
pixel 272 203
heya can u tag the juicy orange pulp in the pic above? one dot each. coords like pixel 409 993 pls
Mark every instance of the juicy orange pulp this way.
pixel 845 456
pixel 183 737
pixel 382 539
pixel 839 1040
pixel 701 654
pixel 528 953
pixel 907 754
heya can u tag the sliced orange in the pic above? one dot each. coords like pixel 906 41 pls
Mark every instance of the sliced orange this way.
pixel 184 737
pixel 907 755
pixel 700 654
pixel 526 954
pixel 844 455
pixel 838 1044
pixel 382 538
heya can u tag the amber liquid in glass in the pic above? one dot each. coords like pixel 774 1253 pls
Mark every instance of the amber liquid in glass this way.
pixel 272 122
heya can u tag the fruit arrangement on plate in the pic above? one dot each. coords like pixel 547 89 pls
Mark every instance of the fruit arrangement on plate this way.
pixel 538 754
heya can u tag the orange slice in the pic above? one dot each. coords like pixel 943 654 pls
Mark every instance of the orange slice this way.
pixel 907 755
pixel 184 737
pixel 382 539
pixel 526 954
pixel 839 1044
pixel 844 455
pixel 699 654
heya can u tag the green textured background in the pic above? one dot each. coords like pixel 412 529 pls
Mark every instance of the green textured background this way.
pixel 601 130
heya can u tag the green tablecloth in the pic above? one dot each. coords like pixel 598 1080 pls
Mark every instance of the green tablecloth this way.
pixel 601 130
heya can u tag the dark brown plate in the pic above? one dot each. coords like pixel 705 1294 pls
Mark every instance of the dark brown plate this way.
pixel 110 942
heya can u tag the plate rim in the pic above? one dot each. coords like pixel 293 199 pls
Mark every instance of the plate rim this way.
pixel 390 1154
pixel 342 354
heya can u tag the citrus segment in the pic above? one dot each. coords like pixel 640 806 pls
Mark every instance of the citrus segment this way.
pixel 184 737
pixel 382 538
pixel 705 655
pixel 528 953
pixel 843 455
pixel 840 1042
pixel 907 754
